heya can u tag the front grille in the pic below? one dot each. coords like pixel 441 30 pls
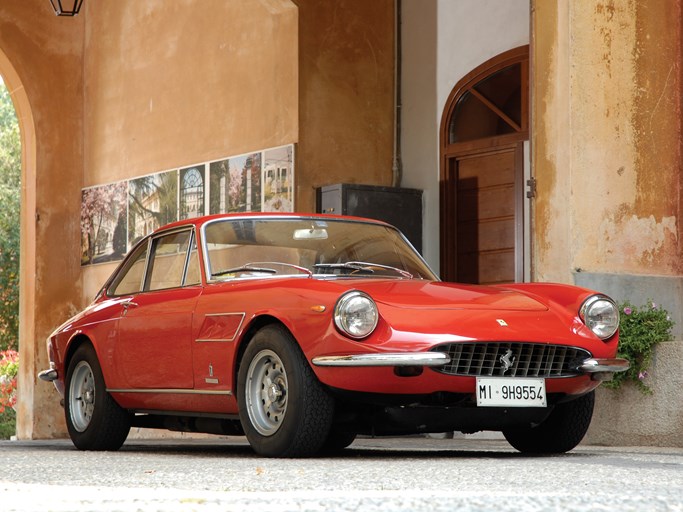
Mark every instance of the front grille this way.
pixel 487 359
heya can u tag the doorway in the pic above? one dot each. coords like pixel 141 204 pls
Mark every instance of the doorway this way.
pixel 483 131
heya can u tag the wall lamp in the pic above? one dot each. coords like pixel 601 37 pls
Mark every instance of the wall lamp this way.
pixel 71 9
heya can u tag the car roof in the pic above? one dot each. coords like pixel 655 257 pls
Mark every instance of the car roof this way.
pixel 198 221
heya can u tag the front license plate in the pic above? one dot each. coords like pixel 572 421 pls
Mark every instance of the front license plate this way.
pixel 510 392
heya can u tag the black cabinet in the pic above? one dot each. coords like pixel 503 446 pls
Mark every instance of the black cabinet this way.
pixel 400 207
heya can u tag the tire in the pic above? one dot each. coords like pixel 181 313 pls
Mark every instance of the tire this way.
pixel 284 410
pixel 337 440
pixel 561 432
pixel 94 420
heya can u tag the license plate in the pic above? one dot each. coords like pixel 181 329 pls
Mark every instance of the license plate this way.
pixel 510 392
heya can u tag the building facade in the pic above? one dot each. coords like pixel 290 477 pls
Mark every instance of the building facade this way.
pixel 571 110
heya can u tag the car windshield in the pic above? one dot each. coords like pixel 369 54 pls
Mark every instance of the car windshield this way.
pixel 309 246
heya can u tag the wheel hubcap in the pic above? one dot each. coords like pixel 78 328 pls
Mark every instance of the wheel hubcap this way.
pixel 266 392
pixel 82 396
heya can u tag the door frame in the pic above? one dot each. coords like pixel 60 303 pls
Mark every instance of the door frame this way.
pixel 449 152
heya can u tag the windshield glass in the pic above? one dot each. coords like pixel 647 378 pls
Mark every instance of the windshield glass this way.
pixel 265 247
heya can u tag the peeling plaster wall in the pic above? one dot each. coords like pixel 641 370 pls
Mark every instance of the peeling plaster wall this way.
pixel 606 138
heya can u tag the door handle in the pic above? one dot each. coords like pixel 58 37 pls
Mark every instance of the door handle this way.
pixel 128 305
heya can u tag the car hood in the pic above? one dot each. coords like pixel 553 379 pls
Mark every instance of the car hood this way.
pixel 431 295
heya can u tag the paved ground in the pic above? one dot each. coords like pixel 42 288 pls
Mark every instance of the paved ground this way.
pixel 410 474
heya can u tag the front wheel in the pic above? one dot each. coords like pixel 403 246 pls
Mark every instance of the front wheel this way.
pixel 284 410
pixel 94 420
pixel 560 432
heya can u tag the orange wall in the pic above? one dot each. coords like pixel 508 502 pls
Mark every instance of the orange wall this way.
pixel 44 61
pixel 606 138
pixel 129 88
pixel 346 94
pixel 171 83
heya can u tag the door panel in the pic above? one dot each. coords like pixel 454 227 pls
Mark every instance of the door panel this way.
pixel 485 185
pixel 154 350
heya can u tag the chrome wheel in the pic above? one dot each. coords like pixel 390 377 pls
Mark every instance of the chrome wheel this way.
pixel 82 396
pixel 266 392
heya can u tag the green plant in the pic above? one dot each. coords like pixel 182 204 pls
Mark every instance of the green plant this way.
pixel 640 329
pixel 10 199
pixel 9 367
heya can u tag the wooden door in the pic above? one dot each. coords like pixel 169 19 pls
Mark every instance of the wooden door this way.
pixel 483 129
pixel 487 238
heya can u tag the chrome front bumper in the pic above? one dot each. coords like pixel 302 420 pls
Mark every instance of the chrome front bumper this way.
pixel 603 369
pixel 598 369
pixel 385 359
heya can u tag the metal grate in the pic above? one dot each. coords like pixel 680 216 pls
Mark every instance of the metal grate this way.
pixel 508 359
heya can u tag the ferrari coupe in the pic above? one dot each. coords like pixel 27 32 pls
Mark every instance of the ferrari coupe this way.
pixel 304 331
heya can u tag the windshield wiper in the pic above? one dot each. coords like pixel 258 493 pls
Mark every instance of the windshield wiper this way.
pixel 254 267
pixel 244 268
pixel 362 266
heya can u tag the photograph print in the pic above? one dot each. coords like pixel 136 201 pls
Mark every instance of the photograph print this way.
pixel 235 184
pixel 152 203
pixel 103 223
pixel 278 179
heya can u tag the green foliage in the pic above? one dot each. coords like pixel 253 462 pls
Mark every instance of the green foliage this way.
pixel 9 367
pixel 8 423
pixel 10 197
pixel 640 329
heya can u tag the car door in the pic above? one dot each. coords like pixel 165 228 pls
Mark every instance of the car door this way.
pixel 154 347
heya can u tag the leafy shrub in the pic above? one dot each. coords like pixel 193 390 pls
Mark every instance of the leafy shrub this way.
pixel 640 329
pixel 9 367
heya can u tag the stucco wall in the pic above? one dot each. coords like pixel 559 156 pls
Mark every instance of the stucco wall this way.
pixel 606 138
pixel 171 84
pixel 346 81
pixel 45 54
pixel 442 42
pixel 175 83
pixel 130 88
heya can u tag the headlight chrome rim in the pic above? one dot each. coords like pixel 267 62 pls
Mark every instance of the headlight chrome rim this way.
pixel 348 312
pixel 593 313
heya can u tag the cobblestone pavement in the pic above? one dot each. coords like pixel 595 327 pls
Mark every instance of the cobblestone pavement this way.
pixel 408 474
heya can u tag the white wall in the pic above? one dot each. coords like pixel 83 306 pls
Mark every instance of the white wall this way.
pixel 442 41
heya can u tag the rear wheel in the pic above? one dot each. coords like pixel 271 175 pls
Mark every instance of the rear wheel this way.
pixel 561 432
pixel 284 410
pixel 94 420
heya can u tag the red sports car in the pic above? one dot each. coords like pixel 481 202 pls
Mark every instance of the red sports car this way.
pixel 303 331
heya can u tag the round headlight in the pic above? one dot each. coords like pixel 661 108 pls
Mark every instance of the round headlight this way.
pixel 356 315
pixel 601 316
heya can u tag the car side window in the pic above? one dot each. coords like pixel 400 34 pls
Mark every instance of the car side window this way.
pixel 192 276
pixel 168 260
pixel 129 279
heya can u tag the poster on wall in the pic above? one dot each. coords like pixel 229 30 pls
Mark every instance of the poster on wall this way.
pixel 152 202
pixel 115 216
pixel 192 192
pixel 278 179
pixel 235 184
pixel 103 223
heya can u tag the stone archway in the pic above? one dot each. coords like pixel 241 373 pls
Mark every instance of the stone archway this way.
pixel 28 253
